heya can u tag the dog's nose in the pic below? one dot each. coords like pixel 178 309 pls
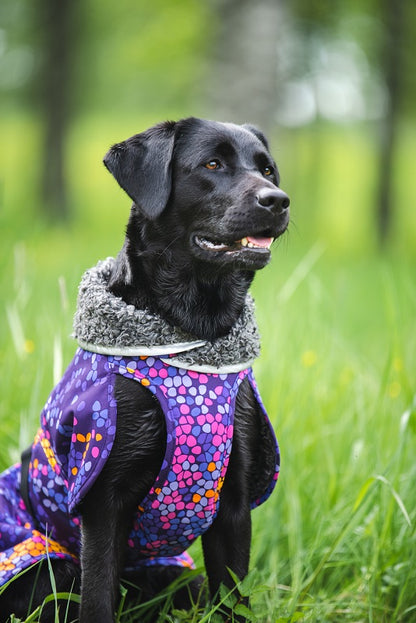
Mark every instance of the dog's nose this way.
pixel 273 198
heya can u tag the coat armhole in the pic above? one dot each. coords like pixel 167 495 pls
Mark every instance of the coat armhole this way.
pixel 268 461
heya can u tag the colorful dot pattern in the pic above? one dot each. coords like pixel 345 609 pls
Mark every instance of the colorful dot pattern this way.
pixel 184 500
pixel 21 543
pixel 78 426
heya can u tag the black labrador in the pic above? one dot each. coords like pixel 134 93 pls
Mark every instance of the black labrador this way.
pixel 207 206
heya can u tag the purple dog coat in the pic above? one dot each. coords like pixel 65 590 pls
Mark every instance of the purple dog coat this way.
pixel 78 427
pixel 196 384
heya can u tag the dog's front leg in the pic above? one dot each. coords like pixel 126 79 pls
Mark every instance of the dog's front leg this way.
pixel 104 537
pixel 108 508
pixel 226 545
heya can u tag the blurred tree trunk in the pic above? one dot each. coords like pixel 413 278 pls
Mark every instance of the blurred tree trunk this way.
pixel 393 18
pixel 55 90
pixel 244 73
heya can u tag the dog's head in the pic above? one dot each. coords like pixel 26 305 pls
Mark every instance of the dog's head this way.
pixel 208 186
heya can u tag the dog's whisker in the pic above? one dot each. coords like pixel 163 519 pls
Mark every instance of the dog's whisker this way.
pixel 169 245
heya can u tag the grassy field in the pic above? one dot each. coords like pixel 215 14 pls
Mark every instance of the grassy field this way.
pixel 336 542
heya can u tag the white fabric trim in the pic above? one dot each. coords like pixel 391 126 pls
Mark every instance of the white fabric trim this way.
pixel 141 351
pixel 238 367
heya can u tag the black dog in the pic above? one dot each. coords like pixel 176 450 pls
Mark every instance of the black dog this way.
pixel 207 206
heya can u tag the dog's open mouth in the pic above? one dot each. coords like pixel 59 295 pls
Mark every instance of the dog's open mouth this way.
pixel 258 243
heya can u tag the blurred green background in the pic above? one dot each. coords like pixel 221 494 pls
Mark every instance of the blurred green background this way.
pixel 333 85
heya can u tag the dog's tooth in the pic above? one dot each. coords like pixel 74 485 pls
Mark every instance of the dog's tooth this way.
pixel 244 242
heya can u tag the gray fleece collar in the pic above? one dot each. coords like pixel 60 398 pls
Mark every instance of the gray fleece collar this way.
pixel 105 324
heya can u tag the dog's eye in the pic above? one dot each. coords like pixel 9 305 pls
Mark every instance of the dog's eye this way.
pixel 213 164
pixel 268 171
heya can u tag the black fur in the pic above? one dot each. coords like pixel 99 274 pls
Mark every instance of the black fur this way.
pixel 200 287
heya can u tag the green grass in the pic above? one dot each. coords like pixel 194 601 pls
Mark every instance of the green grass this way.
pixel 336 541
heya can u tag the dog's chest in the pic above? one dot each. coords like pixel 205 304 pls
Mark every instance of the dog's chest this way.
pixel 199 413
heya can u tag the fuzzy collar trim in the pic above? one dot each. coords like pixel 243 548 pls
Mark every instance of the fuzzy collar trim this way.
pixel 105 324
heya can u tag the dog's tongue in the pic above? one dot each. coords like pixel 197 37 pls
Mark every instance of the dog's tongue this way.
pixel 264 243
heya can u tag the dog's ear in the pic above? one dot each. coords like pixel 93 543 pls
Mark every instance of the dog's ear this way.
pixel 142 167
pixel 258 133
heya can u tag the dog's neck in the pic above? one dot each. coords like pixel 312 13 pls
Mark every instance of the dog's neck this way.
pixel 201 301
pixel 106 324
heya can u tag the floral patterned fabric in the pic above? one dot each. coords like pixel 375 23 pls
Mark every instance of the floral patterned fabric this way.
pixel 78 427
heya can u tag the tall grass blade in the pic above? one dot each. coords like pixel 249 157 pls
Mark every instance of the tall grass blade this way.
pixel 301 272
pixel 57 359
pixel 63 291
pixel 16 330
pixel 397 497
pixel 362 493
